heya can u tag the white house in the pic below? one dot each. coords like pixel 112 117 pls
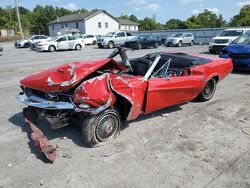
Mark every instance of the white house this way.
pixel 97 22
pixel 127 25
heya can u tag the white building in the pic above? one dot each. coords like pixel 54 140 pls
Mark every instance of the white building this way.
pixel 97 22
pixel 127 25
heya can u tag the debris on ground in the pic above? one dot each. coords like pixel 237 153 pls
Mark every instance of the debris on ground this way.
pixel 246 130
pixel 164 115
pixel 183 136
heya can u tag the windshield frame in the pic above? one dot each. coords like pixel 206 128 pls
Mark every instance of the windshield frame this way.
pixel 245 37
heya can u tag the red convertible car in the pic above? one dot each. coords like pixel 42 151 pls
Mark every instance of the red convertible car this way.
pixel 102 94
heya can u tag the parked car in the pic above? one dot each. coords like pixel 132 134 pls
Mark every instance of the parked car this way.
pixel 179 39
pixel 89 39
pixel 25 43
pixel 99 95
pixel 65 42
pixel 143 41
pixel 35 39
pixel 239 51
pixel 114 39
pixel 225 38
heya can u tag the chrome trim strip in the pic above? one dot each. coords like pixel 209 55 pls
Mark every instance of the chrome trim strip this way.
pixel 43 103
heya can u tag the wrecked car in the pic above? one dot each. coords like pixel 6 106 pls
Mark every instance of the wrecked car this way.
pixel 102 94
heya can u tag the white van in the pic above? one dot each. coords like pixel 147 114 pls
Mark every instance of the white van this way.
pixel 226 37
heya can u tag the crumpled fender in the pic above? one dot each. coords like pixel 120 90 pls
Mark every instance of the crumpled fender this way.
pixel 133 89
pixel 95 91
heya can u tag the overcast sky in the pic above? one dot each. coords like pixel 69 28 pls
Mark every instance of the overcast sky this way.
pixel 162 9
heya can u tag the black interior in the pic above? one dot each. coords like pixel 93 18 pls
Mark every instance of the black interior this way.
pixel 179 66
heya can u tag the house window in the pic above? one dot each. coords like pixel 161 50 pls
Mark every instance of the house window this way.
pixel 106 25
pixel 62 26
pixel 66 25
pixel 129 28
pixel 53 27
pixel 77 26
pixel 119 27
pixel 125 28
pixel 99 24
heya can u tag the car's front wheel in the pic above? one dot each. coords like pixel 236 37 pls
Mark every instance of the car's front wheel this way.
pixel 101 128
pixel 179 44
pixel 156 45
pixel 111 44
pixel 208 90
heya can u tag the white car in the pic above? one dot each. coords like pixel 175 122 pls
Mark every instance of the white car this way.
pixel 179 39
pixel 27 42
pixel 89 39
pixel 225 38
pixel 60 43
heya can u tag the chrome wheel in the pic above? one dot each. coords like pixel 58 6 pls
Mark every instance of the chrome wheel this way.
pixel 107 127
pixel 209 89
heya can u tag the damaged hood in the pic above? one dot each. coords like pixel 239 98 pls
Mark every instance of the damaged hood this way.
pixel 66 76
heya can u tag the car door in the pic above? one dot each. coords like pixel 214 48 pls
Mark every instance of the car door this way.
pixel 71 42
pixel 62 43
pixel 165 92
pixel 120 38
pixel 185 38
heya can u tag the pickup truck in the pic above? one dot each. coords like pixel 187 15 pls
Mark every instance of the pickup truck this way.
pixel 114 39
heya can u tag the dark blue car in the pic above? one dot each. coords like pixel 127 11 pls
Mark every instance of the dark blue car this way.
pixel 239 51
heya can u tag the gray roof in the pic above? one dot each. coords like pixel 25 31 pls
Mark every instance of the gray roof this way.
pixel 126 22
pixel 79 17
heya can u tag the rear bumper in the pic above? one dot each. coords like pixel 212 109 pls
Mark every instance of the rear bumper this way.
pixel 38 102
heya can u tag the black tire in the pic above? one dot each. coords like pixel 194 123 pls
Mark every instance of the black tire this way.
pixel 94 42
pixel 78 47
pixel 26 45
pixel 179 44
pixel 52 48
pixel 156 45
pixel 192 43
pixel 212 51
pixel 111 44
pixel 96 128
pixel 208 91
pixel 139 46
pixel 100 46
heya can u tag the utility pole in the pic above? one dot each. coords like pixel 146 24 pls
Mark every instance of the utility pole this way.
pixel 18 18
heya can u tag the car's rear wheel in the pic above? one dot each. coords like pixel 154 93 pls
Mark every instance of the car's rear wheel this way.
pixel 111 44
pixel 78 47
pixel 156 45
pixel 101 128
pixel 52 48
pixel 94 42
pixel 192 43
pixel 208 90
pixel 180 44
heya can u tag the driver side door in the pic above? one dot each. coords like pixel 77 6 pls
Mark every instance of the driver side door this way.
pixel 166 92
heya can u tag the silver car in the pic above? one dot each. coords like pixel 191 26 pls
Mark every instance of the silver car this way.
pixel 179 39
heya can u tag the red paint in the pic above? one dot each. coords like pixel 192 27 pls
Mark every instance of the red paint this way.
pixel 41 142
pixel 61 74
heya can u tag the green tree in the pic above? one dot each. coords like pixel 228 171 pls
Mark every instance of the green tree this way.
pixel 175 24
pixel 148 24
pixel 243 18
pixel 205 19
